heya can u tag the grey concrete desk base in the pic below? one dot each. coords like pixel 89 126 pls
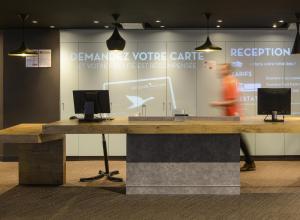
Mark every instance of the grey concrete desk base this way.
pixel 42 163
pixel 183 164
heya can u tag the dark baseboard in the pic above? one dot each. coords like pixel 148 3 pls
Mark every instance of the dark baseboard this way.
pixel 88 158
pixel 274 158
pixel 123 158
pixel 70 158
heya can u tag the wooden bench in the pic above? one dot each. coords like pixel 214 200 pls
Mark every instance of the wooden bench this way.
pixel 42 157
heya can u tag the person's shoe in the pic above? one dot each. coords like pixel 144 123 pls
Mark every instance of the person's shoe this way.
pixel 248 167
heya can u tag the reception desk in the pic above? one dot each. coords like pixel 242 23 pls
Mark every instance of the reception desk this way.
pixel 121 125
pixel 193 156
pixel 42 157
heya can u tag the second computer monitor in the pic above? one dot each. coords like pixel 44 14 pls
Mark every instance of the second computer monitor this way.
pixel 272 101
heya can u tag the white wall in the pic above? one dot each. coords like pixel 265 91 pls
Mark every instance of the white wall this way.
pixel 170 82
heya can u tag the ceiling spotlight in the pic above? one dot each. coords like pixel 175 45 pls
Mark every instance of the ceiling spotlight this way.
pixel 106 26
pixel 281 21
pixel 96 22
pixel 218 26
pixel 219 20
pixel 207 46
pixel 34 21
pixel 115 42
pixel 274 25
pixel 157 21
pixel 296 47
pixel 162 26
pixel 23 50
pixel 51 26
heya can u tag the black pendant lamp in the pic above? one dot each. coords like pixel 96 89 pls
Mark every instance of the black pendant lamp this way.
pixel 207 46
pixel 116 42
pixel 23 50
pixel 296 47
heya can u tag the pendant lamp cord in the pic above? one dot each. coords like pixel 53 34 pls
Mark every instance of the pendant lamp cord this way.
pixel 115 17
pixel 23 27
pixel 207 27
pixel 23 18
pixel 207 15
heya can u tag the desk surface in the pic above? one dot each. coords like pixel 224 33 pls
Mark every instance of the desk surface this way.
pixel 26 133
pixel 122 125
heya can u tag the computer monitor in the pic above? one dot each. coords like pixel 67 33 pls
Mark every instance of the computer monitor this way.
pixel 90 102
pixel 274 101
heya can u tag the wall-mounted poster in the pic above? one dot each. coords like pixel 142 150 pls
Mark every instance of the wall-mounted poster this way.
pixel 42 60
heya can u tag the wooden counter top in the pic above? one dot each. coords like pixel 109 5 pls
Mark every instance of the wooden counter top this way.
pixel 122 125
pixel 26 133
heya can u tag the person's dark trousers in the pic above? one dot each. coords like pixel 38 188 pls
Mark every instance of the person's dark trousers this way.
pixel 245 149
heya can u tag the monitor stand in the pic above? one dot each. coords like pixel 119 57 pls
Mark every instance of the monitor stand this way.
pixel 90 118
pixel 274 118
pixel 89 113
